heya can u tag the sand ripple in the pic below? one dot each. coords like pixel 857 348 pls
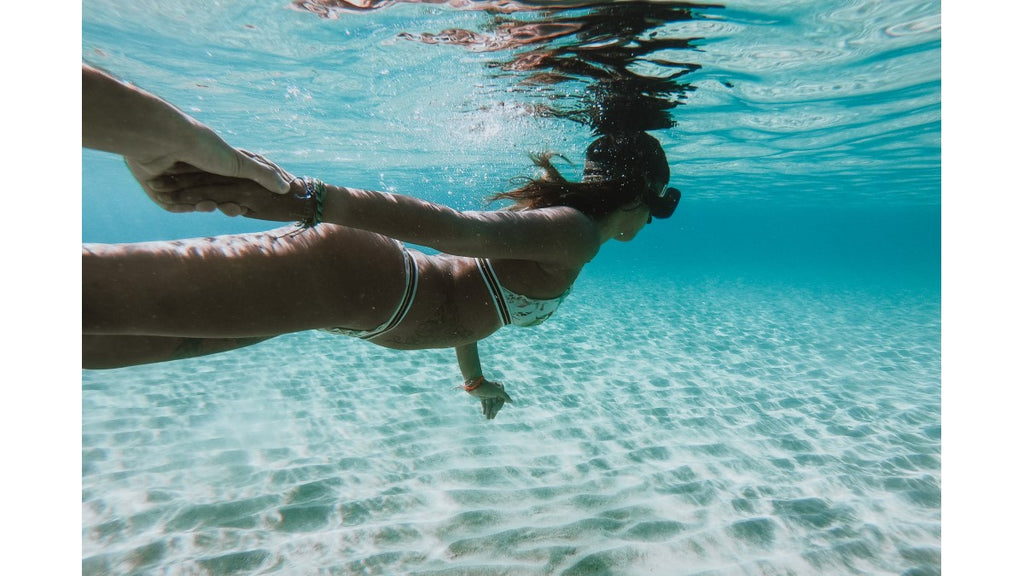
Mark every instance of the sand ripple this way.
pixel 715 429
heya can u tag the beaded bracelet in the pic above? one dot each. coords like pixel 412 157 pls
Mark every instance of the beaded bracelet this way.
pixel 473 383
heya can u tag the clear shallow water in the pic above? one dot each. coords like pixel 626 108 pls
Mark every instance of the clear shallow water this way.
pixel 717 428
pixel 751 387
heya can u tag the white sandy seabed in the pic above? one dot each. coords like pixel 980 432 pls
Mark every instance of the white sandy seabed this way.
pixel 716 428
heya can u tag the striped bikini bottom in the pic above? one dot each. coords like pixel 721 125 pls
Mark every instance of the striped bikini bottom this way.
pixel 412 276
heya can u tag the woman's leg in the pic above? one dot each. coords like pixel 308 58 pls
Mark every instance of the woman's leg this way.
pixel 242 286
pixel 99 352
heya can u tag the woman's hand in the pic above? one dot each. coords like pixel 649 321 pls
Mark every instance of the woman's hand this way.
pixel 184 189
pixel 174 185
pixel 211 156
pixel 492 397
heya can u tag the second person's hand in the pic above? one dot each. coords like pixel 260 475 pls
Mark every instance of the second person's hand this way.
pixel 210 155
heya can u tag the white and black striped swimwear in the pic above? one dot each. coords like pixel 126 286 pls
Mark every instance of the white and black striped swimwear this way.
pixel 412 278
pixel 513 308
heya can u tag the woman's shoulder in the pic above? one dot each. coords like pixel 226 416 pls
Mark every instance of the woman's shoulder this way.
pixel 554 235
pixel 565 215
pixel 579 233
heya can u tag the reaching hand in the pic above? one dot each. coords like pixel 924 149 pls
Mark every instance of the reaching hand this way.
pixel 492 397
pixel 215 158
pixel 154 137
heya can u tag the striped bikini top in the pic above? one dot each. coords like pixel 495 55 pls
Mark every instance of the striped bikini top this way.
pixel 515 308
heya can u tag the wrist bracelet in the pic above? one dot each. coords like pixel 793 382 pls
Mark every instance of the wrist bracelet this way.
pixel 313 190
pixel 318 190
pixel 473 383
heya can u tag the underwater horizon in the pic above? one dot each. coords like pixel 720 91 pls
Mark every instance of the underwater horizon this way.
pixel 752 386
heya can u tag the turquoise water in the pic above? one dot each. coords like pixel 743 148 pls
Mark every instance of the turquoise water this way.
pixel 750 387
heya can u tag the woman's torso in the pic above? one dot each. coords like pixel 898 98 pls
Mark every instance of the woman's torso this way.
pixel 453 305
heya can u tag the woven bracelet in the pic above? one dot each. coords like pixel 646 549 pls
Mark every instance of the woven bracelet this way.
pixel 313 189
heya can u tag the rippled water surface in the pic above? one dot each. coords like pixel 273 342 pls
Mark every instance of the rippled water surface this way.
pixel 750 387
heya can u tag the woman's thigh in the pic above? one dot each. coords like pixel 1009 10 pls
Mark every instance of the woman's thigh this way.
pixel 240 286
pixel 99 352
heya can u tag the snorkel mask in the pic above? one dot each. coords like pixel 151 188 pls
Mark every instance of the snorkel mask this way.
pixel 662 205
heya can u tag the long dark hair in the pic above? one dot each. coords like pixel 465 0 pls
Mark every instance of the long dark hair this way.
pixel 618 169
pixel 594 198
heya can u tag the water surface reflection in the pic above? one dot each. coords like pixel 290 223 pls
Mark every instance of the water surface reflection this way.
pixel 613 66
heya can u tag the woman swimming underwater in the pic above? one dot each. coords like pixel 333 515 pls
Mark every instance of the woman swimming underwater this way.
pixel 347 270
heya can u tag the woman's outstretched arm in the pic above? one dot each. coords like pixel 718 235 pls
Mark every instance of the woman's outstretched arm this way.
pixel 557 235
pixel 492 395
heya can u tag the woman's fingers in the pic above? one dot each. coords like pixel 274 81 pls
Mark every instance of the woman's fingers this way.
pixel 177 208
pixel 504 395
pixel 194 189
pixel 492 397
pixel 182 180
pixel 491 406
pixel 206 206
pixel 232 209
